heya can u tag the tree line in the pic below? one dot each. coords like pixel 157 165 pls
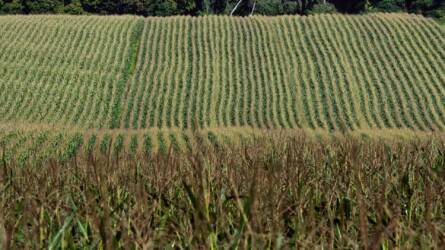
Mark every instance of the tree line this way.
pixel 434 8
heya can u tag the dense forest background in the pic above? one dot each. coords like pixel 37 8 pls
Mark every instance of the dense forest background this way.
pixel 434 8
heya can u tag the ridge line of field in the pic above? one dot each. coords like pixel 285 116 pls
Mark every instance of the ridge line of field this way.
pixel 235 133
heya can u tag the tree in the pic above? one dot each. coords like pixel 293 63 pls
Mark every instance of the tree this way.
pixel 43 6
pixel 269 7
pixel 160 8
pixel 389 5
pixel 416 6
pixel 242 8
pixel 298 6
pixel 130 7
pixel 74 8
pixel 419 6
pixel 218 6
pixel 186 7
pixel 435 8
pixel 203 7
pixel 323 8
pixel 91 6
pixel 12 7
pixel 350 6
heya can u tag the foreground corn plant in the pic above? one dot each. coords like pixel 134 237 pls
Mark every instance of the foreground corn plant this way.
pixel 293 192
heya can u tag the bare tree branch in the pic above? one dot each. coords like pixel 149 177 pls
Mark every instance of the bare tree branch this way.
pixel 236 7
pixel 253 8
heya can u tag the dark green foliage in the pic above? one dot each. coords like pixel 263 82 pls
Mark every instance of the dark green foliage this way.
pixel 118 145
pixel 438 13
pixel 298 6
pixel 148 147
pixel 269 7
pixel 130 6
pixel 105 144
pixel 350 6
pixel 43 6
pixel 390 5
pixel 74 8
pixel 89 147
pixel 72 147
pixel 429 7
pixel 213 140
pixel 323 8
pixel 114 7
pixel 218 6
pixel 32 150
pixel 174 143
pixel 11 7
pixel 419 6
pixel 130 67
pixel 163 148
pixel 244 9
pixel 161 8
pixel 433 8
pixel 133 145
pixel 187 7
pixel 203 7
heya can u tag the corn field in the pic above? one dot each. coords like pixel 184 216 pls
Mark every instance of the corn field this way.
pixel 329 72
pixel 304 132
pixel 164 78
pixel 277 192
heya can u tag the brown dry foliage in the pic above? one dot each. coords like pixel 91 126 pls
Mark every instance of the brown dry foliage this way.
pixel 271 193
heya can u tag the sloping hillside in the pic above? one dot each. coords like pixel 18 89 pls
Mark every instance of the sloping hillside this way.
pixel 328 72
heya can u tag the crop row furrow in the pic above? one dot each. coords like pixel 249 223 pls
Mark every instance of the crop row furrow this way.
pixel 301 74
pixel 146 76
pixel 329 72
pixel 76 104
pixel 68 91
pixel 356 73
pixel 201 64
pixel 282 111
pixel 134 85
pixel 271 82
pixel 170 114
pixel 165 80
pixel 341 116
pixel 265 81
pixel 348 85
pixel 400 84
pixel 253 68
pixel 287 59
pixel 147 118
pixel 324 102
pixel 20 90
pixel 9 80
pixel 214 76
pixel 415 75
pixel 370 47
pixel 240 85
pixel 191 96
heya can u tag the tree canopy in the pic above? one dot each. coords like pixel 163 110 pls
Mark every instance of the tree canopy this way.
pixel 203 7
